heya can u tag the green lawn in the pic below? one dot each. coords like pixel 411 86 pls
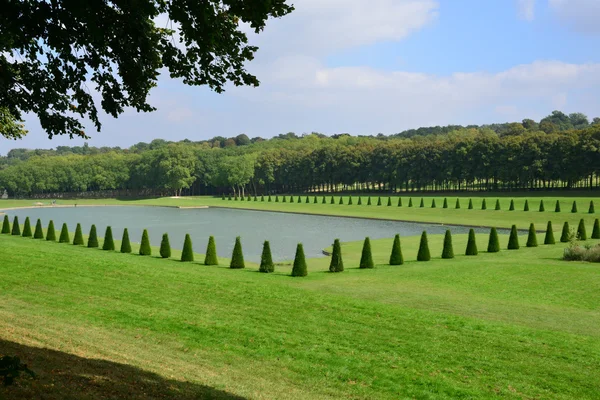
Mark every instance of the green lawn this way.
pixel 95 324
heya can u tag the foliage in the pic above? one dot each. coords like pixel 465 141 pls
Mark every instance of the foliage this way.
pixel 493 242
pixel 50 232
pixel 187 254
pixel 457 205
pixel 237 257
pixel 145 249
pixel 574 207
pixel 557 206
pixel 108 244
pixel 366 258
pixel 399 201
pixel 341 200
pixel 337 263
pixel 165 246
pixel 577 253
pixel 299 268
pixel 448 250
pixel 125 243
pixel 526 207
pixel 422 204
pixel 211 252
pixel 497 208
pixel 591 209
pixel 266 259
pixel 483 205
pixel 581 233
pixel 470 204
pixel 16 229
pixel 424 254
pixel 542 208
pixel 471 244
pixel 549 238
pixel 11 368
pixel 445 205
pixel 532 237
pixel 93 238
pixel 6 225
pixel 389 202
pixel 410 204
pixel 396 257
pixel 566 233
pixel 77 239
pixel 596 229
pixel 513 240
pixel 512 205
pixel 39 231
pixel 64 234
pixel 379 201
pixel 433 203
pixel 27 228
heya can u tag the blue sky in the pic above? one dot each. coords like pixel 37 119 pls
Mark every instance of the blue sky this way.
pixel 376 66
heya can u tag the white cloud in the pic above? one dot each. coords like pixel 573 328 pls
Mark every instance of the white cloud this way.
pixel 580 15
pixel 526 9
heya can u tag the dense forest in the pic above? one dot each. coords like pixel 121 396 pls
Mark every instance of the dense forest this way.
pixel 560 152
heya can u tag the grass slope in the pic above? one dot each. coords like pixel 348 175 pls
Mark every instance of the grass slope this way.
pixel 519 324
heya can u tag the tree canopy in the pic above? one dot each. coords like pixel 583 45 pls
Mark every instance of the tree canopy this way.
pixel 53 53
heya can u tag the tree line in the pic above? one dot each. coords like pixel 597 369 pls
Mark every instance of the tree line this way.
pixel 463 159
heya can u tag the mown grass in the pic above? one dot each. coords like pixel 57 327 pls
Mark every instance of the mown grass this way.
pixel 516 324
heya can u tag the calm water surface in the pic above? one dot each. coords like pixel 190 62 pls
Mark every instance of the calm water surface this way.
pixel 284 231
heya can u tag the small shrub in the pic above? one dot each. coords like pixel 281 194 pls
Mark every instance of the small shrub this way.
pixel 165 246
pixel 256 198
pixel 39 231
pixel 6 226
pixel 262 198
pixel 596 230
pixel 284 199
pixel 549 238
pixel 448 251
pixel 410 204
pixel 399 201
pixel 300 200
pixel 574 207
pixel 526 207
pixel 109 244
pixel 445 205
pixel 349 200
pixel 93 238
pixel 324 201
pixel 483 205
pixel 424 254
pixel 512 205
pixel 78 238
pixel 50 232
pixel 229 197
pixel 396 257
pixel 574 253
pixel 433 203
pixel 369 201
pixel 266 259
pixel 237 258
pixel 223 196
pixel 470 204
pixel 591 209
pixel 542 208
pixel 389 202
pixel 497 204
pixel 299 268
pixel 315 201
pixel 581 233
pixel 493 242
pixel 422 205
pixel 379 201
pixel 532 237
pixel 269 199
pixel 336 264
pixel 16 229
pixel 276 198
pixel 291 199
pixel 359 201
pixel 332 200
pixel 27 228
pixel 457 205
pixel 513 240
pixel 565 235
pixel 557 206
pixel 242 198
pixel 125 243
pixel 366 258
pixel 471 244
pixel 64 234
pixel 187 254
pixel 341 200
pixel 211 252
pixel 145 249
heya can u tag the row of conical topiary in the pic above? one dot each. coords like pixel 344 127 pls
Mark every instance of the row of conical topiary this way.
pixel 457 205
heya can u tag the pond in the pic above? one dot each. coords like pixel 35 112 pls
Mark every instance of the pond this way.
pixel 283 230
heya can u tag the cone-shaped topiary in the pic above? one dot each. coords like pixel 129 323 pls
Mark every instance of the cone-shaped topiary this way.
pixel 470 204
pixel 557 206
pixel 542 208
pixel 307 200
pixel 108 244
pixel 471 244
pixel 549 238
pixel 300 200
pixel 457 205
pixel 349 200
pixel 369 201
pixel 379 201
pixel 242 198
pixel 229 197
pixel 269 199
pixel 512 205
pixel 262 197
pixel 284 199
pixel 448 251
pixel 165 246
pixel 424 254
pixel 78 239
pixel 145 249
pixel 324 201
pixel 336 264
pixel 389 203
pixel 596 230
pixel 266 260
pixel 211 252
pixel 574 207
pixel 433 203
pixel 396 257
pixel 255 198
pixel 410 204
pixel 64 234
pixel 27 228
pixel 291 199
pixel 93 238
pixel 249 198
pixel 366 259
pixel 399 201
pixel 187 254
pixel 581 233
pixel 497 204
pixel 50 232
pixel 445 203
pixel 483 205
pixel 125 243
pixel 223 196
pixel 299 268
pixel 591 210
pixel 493 242
pixel 566 232
pixel 332 200
pixel 532 238
pixel 526 207
pixel 359 201
pixel 237 258
pixel 16 229
pixel 6 226
pixel 276 198
pixel 341 200
pixel 315 201
pixel 39 231
pixel 513 240
pixel 422 205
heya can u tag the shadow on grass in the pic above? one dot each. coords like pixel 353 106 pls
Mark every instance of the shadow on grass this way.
pixel 66 376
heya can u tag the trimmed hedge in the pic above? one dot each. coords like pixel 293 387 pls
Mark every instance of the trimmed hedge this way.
pixel 513 240
pixel 27 228
pixel 433 203
pixel 266 259
pixel 109 244
pixel 424 254
pixel 64 234
pixel 526 207
pixel 470 204
pixel 581 233
pixel 78 239
pixel 369 201
pixel 125 243
pixel 410 204
pixel 366 258
pixel 457 205
pixel 237 258
pixel 93 238
pixel 493 242
pixel 16 229
pixel 145 249
pixel 341 200
pixel 299 268
pixel 483 205
pixel 336 264
pixel 187 254
pixel 445 205
pixel 574 207
pixel 591 209
pixel 359 201
pixel 566 233
pixel 497 208
pixel 211 252
pixel 422 205
pixel 332 200
pixel 512 205
pixel 349 200
pixel 50 232
pixel 471 244
pixel 379 201
pixel 532 237
pixel 549 238
pixel 6 225
pixel 557 206
pixel 39 231
pixel 542 208
pixel 396 257
pixel 389 203
pixel 448 251
pixel 165 246
pixel 399 201
pixel 596 230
